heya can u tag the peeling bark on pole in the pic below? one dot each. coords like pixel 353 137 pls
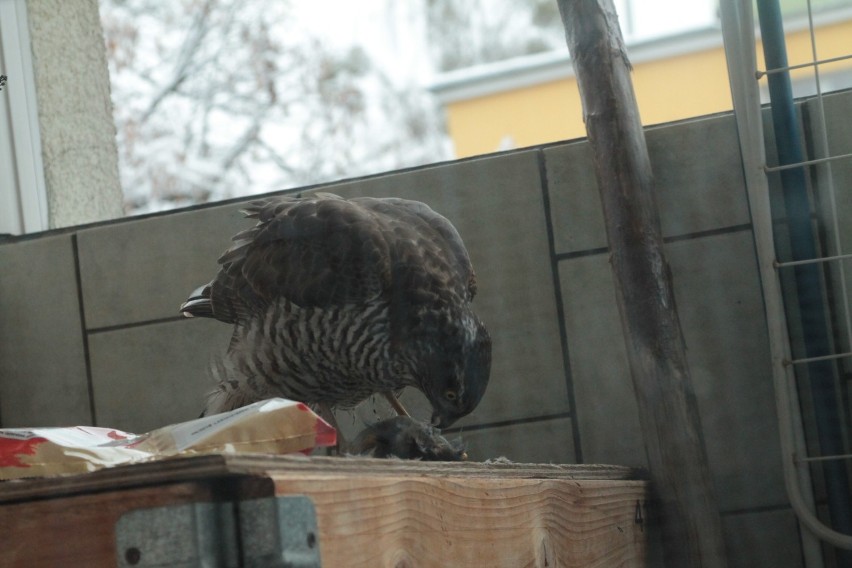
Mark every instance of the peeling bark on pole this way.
pixel 668 412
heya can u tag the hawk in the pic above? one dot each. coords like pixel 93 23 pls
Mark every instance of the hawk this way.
pixel 334 300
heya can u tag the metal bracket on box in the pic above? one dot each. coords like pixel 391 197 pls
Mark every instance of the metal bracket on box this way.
pixel 275 531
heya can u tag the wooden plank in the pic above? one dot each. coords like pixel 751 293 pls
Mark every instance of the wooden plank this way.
pixel 200 467
pixel 135 475
pixel 430 521
pixel 80 530
pixel 370 512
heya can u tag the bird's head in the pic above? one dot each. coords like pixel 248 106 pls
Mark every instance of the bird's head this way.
pixel 458 372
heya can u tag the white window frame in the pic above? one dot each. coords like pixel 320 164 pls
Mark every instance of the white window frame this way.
pixel 23 192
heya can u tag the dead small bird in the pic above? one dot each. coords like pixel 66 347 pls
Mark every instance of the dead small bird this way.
pixel 409 439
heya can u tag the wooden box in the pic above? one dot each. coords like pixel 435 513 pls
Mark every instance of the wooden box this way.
pixel 370 513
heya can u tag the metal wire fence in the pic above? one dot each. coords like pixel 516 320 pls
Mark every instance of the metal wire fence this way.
pixel 798 169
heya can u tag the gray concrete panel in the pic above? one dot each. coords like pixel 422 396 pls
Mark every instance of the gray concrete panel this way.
pixel 721 312
pixel 149 376
pixel 545 441
pixel 575 205
pixel 607 415
pixel 43 378
pixel 763 539
pixel 693 195
pixel 141 270
pixel 698 175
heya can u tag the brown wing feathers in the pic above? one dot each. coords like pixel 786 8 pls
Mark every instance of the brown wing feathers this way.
pixel 324 250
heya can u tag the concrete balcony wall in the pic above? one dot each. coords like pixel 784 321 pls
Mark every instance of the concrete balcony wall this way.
pixel 90 331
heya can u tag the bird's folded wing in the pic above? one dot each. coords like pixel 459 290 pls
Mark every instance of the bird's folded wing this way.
pixel 324 251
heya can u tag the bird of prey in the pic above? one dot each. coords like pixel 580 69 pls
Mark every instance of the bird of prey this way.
pixel 334 300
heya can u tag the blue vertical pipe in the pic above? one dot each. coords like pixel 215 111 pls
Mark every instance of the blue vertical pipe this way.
pixel 807 277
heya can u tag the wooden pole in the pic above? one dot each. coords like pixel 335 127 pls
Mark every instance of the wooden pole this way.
pixel 684 497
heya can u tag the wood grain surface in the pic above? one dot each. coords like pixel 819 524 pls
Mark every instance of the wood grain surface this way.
pixel 80 530
pixel 377 513
pixel 402 521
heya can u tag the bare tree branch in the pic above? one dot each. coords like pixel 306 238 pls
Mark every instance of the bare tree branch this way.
pixel 197 31
pixel 302 112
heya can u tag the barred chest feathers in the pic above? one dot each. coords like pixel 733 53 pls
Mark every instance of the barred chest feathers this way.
pixel 313 354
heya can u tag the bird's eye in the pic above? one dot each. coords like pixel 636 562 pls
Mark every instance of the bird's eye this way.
pixel 450 394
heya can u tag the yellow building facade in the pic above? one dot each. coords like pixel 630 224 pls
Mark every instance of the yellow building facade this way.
pixel 534 99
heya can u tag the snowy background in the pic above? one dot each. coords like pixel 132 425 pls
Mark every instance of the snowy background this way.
pixel 223 98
